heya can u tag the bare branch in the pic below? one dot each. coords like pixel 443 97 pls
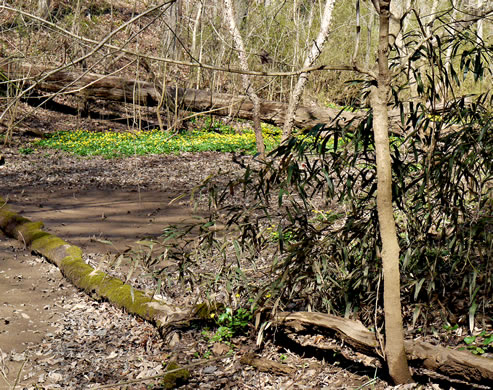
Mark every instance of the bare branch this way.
pixel 99 45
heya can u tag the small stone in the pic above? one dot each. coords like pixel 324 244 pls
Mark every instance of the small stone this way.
pixel 18 357
pixel 55 377
pixel 210 369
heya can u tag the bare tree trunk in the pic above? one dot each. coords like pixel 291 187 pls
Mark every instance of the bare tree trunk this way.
pixel 398 27
pixel 172 21
pixel 309 61
pixel 394 333
pixel 480 23
pixel 197 54
pixel 368 38
pixel 245 78
pixel 43 8
pixel 195 29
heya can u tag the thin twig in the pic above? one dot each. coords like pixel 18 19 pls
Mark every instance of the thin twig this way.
pixel 99 45
pixel 18 377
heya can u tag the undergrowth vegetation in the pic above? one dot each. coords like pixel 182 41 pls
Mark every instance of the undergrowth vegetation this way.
pixel 216 137
pixel 302 229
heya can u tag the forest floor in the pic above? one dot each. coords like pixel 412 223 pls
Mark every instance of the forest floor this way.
pixel 53 336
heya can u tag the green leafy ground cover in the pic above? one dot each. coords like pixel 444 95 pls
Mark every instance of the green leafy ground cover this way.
pixel 111 144
pixel 116 144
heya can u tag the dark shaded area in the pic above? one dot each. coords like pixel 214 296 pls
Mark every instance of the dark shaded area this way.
pixel 89 109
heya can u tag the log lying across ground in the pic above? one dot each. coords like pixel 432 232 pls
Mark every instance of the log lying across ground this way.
pixel 68 258
pixel 145 93
pixel 451 363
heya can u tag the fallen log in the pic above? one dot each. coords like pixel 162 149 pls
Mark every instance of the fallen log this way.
pixel 119 89
pixel 452 364
pixel 99 285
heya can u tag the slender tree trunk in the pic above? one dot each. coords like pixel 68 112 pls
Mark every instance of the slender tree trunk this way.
pixel 369 29
pixel 480 23
pixel 309 61
pixel 196 24
pixel 259 139
pixel 44 8
pixel 394 333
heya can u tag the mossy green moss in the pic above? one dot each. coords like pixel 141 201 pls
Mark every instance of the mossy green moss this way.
pixel 175 378
pixel 44 243
pixel 31 230
pixel 75 269
pixel 35 235
pixel 205 311
pixel 106 287
pixel 10 221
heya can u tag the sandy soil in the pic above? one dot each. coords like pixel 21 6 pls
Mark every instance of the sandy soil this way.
pixel 83 218
pixel 32 293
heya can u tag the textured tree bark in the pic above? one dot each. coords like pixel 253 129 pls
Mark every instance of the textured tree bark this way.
pixel 394 333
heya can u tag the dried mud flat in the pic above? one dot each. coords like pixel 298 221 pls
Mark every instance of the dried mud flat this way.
pixel 53 336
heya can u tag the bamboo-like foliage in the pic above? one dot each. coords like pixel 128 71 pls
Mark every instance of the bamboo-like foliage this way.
pixel 311 212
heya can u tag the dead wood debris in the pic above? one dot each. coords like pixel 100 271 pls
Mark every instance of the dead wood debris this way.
pixel 267 365
pixel 449 363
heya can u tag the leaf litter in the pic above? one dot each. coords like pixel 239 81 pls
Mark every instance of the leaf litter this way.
pixel 94 344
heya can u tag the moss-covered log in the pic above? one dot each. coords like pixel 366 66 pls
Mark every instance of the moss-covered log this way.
pixel 68 258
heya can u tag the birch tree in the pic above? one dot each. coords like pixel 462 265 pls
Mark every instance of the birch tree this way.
pixel 246 80
pixel 314 53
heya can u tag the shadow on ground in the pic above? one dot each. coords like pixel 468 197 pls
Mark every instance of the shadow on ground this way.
pixel 83 218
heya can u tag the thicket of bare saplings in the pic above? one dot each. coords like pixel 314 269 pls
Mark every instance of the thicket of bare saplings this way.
pixel 310 212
